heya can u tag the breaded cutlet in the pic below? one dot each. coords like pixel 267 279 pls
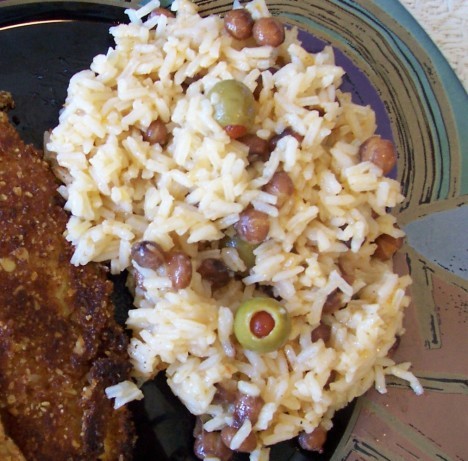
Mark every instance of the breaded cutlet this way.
pixel 60 346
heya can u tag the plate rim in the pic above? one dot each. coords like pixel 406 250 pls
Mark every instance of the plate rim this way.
pixel 452 87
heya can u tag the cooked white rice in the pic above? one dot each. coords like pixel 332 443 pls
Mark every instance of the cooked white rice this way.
pixel 121 189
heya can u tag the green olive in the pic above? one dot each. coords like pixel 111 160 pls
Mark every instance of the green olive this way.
pixel 262 325
pixel 244 249
pixel 233 103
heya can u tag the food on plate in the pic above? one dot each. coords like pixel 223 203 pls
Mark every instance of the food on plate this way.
pixel 255 231
pixel 6 101
pixel 234 107
pixel 60 344
pixel 261 325
pixel 8 449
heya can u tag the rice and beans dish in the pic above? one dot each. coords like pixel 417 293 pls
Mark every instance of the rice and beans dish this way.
pixel 218 162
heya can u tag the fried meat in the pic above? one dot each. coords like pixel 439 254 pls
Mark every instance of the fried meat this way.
pixel 59 344
pixel 8 449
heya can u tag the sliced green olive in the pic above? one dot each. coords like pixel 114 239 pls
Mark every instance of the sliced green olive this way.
pixel 262 325
pixel 233 103
pixel 244 249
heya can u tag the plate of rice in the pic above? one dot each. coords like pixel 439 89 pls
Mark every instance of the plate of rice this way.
pixel 248 173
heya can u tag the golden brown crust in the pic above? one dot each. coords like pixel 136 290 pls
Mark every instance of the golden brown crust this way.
pixel 8 449
pixel 6 101
pixel 59 344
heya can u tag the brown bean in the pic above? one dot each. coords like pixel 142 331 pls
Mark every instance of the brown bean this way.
pixel 179 269
pixel 331 379
pixel 259 82
pixel 239 23
pixel 268 31
pixel 247 446
pixel 147 254
pixel 258 147
pixel 333 302
pixel 189 80
pixel 317 108
pixel 380 152
pixel 286 132
pixel 349 277
pixel 246 407
pixel 281 186
pixel 322 332
pixel 226 393
pixel 198 428
pixel 162 12
pixel 210 444
pixel 274 141
pixel 258 88
pixel 156 133
pixel 313 441
pixel 387 246
pixel 235 131
pixel 395 346
pixel 253 226
pixel 215 271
